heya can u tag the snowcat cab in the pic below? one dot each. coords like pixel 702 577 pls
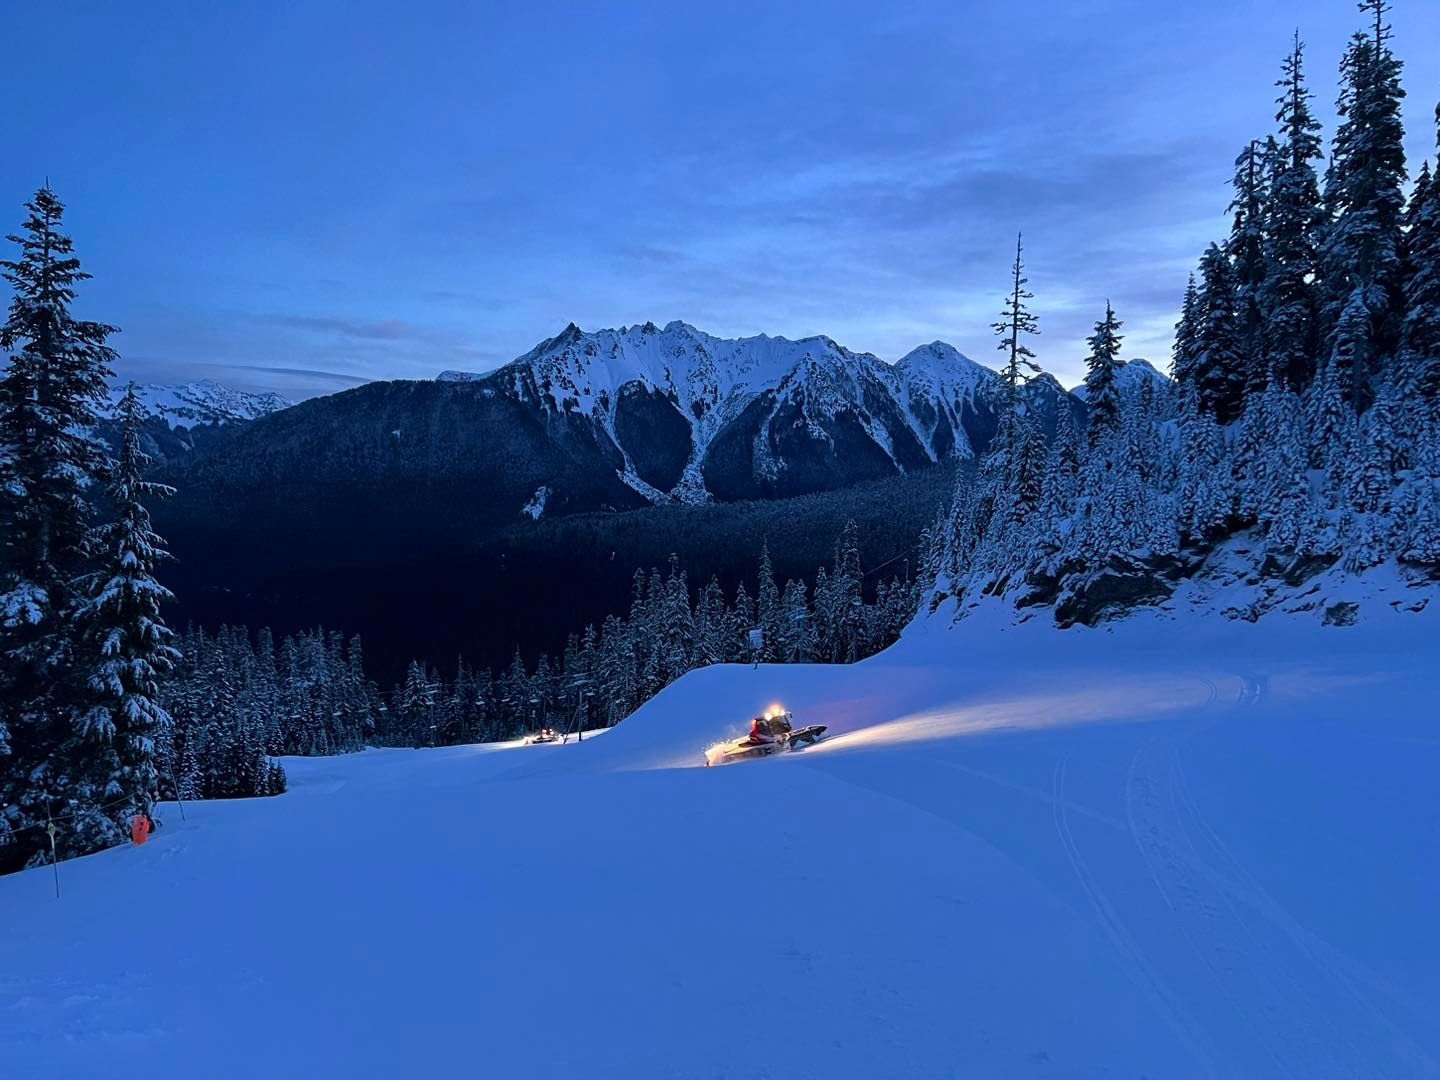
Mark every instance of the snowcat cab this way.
pixel 776 725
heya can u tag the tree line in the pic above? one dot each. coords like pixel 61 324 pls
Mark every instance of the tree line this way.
pixel 607 672
pixel 1307 385
pixel 237 699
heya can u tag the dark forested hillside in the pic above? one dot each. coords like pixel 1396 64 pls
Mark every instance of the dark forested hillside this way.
pixel 414 589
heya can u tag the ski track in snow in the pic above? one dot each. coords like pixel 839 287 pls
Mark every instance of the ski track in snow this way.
pixel 1282 998
pixel 1116 931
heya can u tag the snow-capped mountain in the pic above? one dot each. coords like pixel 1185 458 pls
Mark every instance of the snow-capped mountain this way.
pixel 692 416
pixel 202 402
pixel 1133 375
pixel 606 420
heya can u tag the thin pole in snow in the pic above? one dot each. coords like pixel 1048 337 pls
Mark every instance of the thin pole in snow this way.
pixel 178 800
pixel 54 861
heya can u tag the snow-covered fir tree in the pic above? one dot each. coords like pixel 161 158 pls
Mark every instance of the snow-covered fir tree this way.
pixel 57 764
pixel 1185 352
pixel 768 609
pixel 1218 364
pixel 1360 254
pixel 1293 217
pixel 1246 252
pixel 132 649
pixel 1102 389
pixel 1417 372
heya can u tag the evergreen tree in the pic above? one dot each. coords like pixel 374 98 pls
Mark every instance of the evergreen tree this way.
pixel 267 691
pixel 1204 497
pixel 652 640
pixel 1294 214
pixel 1185 354
pixel 1361 252
pixel 1016 323
pixel 1027 470
pixel 1246 251
pixel 1418 374
pixel 50 395
pixel 1218 370
pixel 826 618
pixel 846 585
pixel 963 531
pixel 1421 544
pixel 712 628
pixel 615 674
pixel 124 627
pixel 1102 389
pixel 1061 486
pixel 678 628
pixel 795 645
pixel 1286 461
pixel 742 622
pixel 1370 463
pixel 417 698
pixel 1329 418
pixel 768 609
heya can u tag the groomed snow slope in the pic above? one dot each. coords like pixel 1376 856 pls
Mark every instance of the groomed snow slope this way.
pixel 1170 849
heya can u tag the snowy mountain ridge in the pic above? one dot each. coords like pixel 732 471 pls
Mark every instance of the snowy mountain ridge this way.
pixel 580 370
pixel 788 406
pixel 203 401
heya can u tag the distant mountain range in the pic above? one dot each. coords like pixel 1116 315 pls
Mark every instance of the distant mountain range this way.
pixel 683 415
pixel 610 420
pixel 678 414
pixel 202 402
pixel 184 419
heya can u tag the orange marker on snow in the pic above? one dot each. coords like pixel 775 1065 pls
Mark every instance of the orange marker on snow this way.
pixel 139 828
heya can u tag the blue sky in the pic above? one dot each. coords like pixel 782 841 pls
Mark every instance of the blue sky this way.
pixel 303 196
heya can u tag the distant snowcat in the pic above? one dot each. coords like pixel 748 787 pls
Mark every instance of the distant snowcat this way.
pixel 769 734
pixel 544 735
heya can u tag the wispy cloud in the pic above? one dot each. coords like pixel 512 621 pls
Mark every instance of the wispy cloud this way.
pixel 338 378
pixel 378 330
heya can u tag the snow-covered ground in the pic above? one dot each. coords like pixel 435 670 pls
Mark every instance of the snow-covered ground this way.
pixel 1171 849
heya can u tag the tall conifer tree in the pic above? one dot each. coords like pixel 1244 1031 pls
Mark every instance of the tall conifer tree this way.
pixel 50 398
pixel 1102 388
pixel 1294 214
pixel 1218 370
pixel 1015 325
pixel 1418 374
pixel 1361 253
pixel 131 642
pixel 1246 249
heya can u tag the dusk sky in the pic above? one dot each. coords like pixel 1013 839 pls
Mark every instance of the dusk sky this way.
pixel 302 196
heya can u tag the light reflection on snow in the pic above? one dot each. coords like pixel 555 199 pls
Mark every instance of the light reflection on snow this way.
pixel 1122 701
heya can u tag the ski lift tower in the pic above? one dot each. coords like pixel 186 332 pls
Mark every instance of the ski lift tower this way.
pixel 581 685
